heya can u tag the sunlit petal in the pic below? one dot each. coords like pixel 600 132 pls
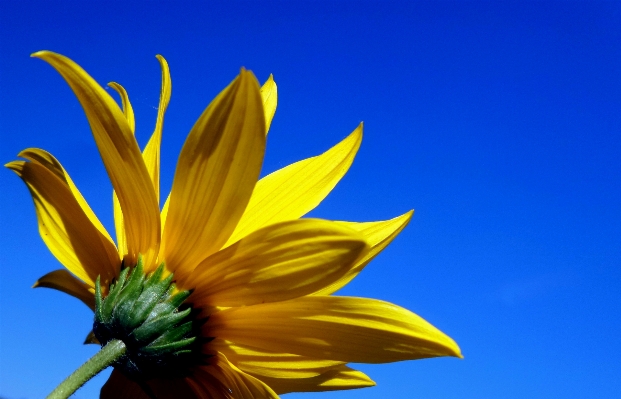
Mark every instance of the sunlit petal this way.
pixel 378 235
pixel 121 156
pixel 333 379
pixel 65 228
pixel 264 363
pixel 128 111
pixel 269 95
pixel 151 153
pixel 279 262
pixel 295 190
pixel 48 161
pixel 355 330
pixel 217 169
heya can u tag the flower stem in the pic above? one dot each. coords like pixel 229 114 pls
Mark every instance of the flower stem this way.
pixel 102 359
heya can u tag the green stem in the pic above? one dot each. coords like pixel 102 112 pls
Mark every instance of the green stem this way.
pixel 102 359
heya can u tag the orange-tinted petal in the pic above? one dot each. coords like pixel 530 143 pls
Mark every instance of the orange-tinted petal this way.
pixel 216 173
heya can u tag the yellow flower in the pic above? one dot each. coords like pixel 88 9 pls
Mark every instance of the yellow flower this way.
pixel 263 276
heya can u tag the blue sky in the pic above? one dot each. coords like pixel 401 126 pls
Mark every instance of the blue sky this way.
pixel 498 122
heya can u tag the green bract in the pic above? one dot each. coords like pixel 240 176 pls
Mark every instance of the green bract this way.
pixel 146 314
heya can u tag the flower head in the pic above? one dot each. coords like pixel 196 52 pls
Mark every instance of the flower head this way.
pixel 251 283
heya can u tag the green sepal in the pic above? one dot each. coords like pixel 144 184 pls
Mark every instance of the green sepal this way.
pixel 170 347
pixel 174 334
pixel 149 331
pixel 144 312
pixel 148 299
pixel 115 289
pixel 128 296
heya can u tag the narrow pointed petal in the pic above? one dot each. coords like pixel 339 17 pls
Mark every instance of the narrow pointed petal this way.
pixel 64 281
pixel 295 190
pixel 269 95
pixel 121 157
pixel 65 228
pixel 355 330
pixel 378 235
pixel 239 384
pixel 151 153
pixel 334 379
pixel 49 162
pixel 128 110
pixel 119 226
pixel 218 167
pixel 263 363
pixel 120 387
pixel 279 262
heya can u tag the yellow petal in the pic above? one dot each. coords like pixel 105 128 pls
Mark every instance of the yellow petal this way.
pixel 151 153
pixel 239 384
pixel 269 95
pixel 355 330
pixel 291 192
pixel 334 379
pixel 119 226
pixel 262 363
pixel 279 262
pixel 216 173
pixel 65 228
pixel 128 111
pixel 121 156
pixel 64 281
pixel 378 235
pixel 49 162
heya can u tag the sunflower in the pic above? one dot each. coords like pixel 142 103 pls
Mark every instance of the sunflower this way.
pixel 253 282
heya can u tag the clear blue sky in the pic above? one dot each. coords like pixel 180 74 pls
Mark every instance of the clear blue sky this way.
pixel 499 122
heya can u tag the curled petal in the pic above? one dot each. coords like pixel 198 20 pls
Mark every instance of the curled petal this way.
pixel 128 110
pixel 355 330
pixel 64 281
pixel 279 262
pixel 216 173
pixel 269 95
pixel 119 225
pixel 378 235
pixel 121 156
pixel 151 153
pixel 291 192
pixel 64 226
pixel 333 379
